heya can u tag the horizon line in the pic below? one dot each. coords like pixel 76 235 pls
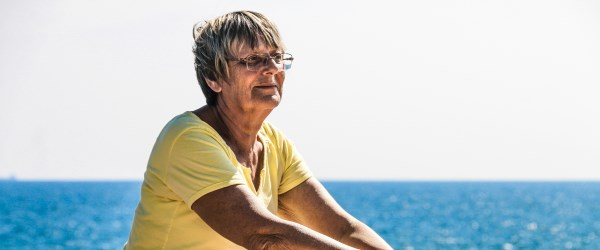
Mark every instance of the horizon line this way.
pixel 440 180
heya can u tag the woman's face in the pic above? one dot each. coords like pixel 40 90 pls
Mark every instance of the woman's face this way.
pixel 252 90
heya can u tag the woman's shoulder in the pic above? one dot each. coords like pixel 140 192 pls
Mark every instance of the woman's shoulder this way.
pixel 186 123
pixel 183 121
pixel 272 132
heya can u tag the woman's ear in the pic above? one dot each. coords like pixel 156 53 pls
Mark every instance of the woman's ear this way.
pixel 214 85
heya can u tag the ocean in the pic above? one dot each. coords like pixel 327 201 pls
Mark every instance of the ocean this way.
pixel 409 215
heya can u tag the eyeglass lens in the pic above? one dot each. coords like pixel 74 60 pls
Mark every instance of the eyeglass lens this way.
pixel 256 61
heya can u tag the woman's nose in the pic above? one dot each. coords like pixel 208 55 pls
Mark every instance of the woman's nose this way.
pixel 271 66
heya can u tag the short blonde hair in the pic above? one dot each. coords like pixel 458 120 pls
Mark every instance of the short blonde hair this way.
pixel 215 40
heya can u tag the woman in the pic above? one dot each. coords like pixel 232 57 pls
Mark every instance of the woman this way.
pixel 221 177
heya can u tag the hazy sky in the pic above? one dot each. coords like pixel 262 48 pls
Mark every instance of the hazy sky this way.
pixel 402 90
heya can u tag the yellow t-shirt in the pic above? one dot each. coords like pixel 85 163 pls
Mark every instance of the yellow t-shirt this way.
pixel 189 160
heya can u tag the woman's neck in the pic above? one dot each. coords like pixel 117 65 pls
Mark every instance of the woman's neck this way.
pixel 239 129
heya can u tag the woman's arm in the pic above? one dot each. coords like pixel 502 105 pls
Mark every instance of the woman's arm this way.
pixel 311 205
pixel 236 214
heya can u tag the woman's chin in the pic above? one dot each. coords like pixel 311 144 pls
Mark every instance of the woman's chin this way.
pixel 271 101
pixel 268 100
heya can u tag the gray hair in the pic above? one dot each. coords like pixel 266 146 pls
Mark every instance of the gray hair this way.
pixel 215 40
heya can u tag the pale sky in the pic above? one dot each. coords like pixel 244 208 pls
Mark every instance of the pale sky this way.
pixel 379 90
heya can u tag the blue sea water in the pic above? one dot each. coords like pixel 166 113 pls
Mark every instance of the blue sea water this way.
pixel 409 215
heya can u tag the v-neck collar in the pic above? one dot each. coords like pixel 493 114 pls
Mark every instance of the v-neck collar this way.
pixel 264 139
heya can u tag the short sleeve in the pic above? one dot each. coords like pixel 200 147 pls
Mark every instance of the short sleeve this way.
pixel 295 169
pixel 199 164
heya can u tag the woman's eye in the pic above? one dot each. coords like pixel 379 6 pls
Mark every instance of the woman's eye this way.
pixel 253 59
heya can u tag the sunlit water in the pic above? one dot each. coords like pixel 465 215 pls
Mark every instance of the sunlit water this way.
pixel 409 215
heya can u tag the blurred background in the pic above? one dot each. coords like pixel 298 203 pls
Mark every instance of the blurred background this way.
pixel 450 90
pixel 441 124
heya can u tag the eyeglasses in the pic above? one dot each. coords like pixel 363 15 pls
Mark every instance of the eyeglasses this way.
pixel 255 62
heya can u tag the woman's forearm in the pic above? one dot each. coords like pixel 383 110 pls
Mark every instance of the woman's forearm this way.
pixel 291 235
pixel 362 236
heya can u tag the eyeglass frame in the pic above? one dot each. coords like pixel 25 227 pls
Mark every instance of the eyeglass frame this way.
pixel 265 60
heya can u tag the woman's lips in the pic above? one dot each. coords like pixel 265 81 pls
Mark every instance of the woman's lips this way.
pixel 267 86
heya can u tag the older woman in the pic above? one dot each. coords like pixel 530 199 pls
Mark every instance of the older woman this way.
pixel 221 177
